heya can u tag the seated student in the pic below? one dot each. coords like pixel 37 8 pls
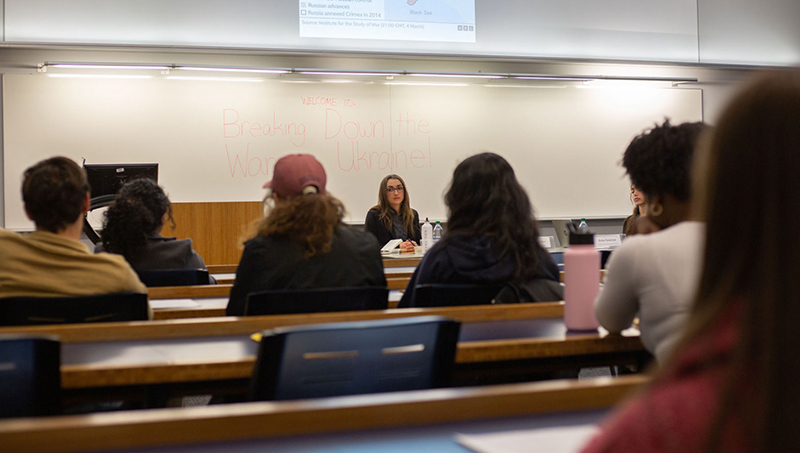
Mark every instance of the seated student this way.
pixel 302 243
pixel 731 384
pixel 656 275
pixel 639 210
pixel 133 225
pixel 392 217
pixel 51 261
pixel 492 237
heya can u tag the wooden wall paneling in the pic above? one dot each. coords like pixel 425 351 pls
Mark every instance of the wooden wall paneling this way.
pixel 217 229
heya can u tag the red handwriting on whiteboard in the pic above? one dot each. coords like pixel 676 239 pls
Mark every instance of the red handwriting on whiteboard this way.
pixel 360 158
pixel 407 127
pixel 249 166
pixel 327 101
pixel 233 127
pixel 336 125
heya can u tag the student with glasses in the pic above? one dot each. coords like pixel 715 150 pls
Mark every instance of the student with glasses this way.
pixel 392 217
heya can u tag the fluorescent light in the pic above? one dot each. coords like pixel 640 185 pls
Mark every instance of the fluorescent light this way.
pixel 106 66
pixel 99 76
pixel 573 79
pixel 427 84
pixel 345 81
pixel 524 86
pixel 216 79
pixel 470 76
pixel 219 69
pixel 351 73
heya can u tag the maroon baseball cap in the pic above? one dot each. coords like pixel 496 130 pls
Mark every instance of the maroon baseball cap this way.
pixel 295 172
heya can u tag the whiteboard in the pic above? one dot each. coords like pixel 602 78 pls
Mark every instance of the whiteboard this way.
pixel 218 141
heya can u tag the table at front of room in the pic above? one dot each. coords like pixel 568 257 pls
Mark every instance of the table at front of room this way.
pixel 488 352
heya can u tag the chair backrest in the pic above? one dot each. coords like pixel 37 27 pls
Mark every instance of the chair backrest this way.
pixel 30 379
pixel 444 295
pixel 351 358
pixel 18 311
pixel 174 277
pixel 291 301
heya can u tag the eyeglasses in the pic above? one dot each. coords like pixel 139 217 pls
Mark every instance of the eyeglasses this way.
pixel 394 189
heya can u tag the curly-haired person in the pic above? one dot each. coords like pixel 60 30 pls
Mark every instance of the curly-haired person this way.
pixel 302 242
pixel 655 275
pixel 133 225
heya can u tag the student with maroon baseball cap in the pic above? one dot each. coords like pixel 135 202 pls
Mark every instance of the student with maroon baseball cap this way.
pixel 302 243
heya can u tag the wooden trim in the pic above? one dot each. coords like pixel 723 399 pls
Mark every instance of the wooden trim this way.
pixel 163 314
pixel 87 376
pixel 211 327
pixel 397 282
pixel 171 427
pixel 530 348
pixel 222 268
pixel 184 292
pixel 92 376
pixel 401 262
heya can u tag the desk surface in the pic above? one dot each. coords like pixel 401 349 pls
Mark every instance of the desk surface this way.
pixel 210 307
pixel 157 361
pixel 370 421
pixel 223 326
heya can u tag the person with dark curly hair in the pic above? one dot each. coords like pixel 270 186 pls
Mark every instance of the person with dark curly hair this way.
pixel 393 217
pixel 51 261
pixel 302 243
pixel 132 228
pixel 492 236
pixel 655 275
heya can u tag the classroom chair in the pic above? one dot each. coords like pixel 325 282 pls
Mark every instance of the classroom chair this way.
pixel 323 360
pixel 174 277
pixel 30 379
pixel 446 295
pixel 17 311
pixel 292 301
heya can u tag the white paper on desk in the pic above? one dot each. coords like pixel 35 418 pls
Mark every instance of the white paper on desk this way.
pixel 557 440
pixel 173 303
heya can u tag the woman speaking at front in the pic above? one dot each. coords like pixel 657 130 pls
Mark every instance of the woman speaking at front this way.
pixel 392 217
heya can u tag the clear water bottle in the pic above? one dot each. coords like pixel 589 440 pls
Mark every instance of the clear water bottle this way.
pixel 427 236
pixel 583 228
pixel 437 232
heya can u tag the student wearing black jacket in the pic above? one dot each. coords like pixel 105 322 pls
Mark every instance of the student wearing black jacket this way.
pixel 492 236
pixel 302 243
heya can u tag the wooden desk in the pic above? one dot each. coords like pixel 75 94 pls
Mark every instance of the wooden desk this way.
pixel 245 325
pixel 483 347
pixel 189 292
pixel 402 261
pixel 209 297
pixel 373 415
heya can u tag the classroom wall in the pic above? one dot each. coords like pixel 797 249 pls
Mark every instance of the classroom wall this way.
pixel 726 32
pixel 763 32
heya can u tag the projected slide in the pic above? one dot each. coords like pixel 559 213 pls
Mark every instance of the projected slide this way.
pixel 413 20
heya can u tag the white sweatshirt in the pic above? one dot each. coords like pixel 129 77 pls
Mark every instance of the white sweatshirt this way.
pixel 655 275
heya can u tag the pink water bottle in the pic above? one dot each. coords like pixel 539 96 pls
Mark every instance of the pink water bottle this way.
pixel 581 281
